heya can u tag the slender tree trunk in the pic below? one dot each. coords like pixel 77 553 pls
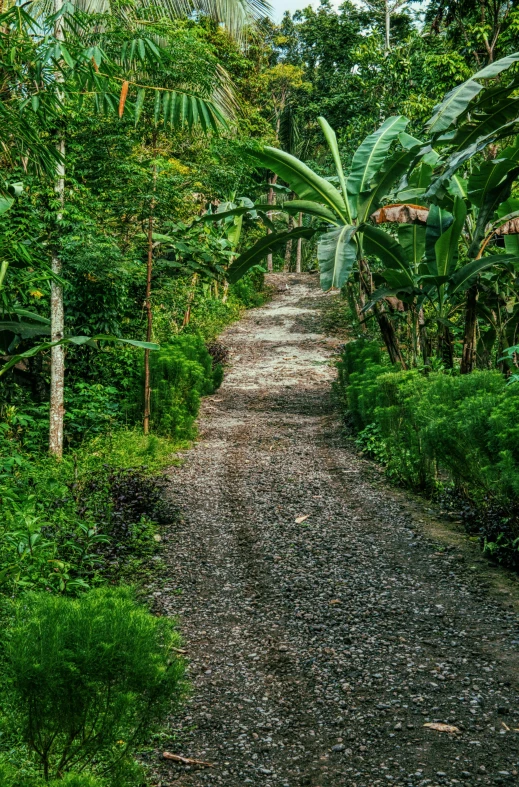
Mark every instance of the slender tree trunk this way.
pixel 446 346
pixel 425 342
pixel 187 314
pixel 271 201
pixel 386 327
pixel 387 19
pixel 149 328
pixel 355 306
pixel 468 359
pixel 57 310
pixel 298 249
pixel 288 248
pixel 149 313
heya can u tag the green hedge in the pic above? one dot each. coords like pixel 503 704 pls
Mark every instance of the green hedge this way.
pixel 435 430
pixel 181 372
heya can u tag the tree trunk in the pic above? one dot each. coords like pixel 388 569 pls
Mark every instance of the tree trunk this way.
pixel 57 310
pixel 149 314
pixel 425 342
pixel 288 248
pixel 445 346
pixel 187 314
pixel 149 327
pixel 298 249
pixel 468 359
pixel 271 201
pixel 387 20
pixel 387 329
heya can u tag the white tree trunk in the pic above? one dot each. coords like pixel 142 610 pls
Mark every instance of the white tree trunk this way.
pixel 387 15
pixel 57 312
pixel 271 199
pixel 298 253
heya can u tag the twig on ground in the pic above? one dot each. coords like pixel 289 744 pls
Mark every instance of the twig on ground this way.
pixel 186 760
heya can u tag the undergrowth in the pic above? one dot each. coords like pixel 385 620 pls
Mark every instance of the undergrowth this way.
pixel 442 434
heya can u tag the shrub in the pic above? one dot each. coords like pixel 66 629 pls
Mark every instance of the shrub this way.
pixel 181 372
pixel 11 777
pixel 90 677
pixel 438 429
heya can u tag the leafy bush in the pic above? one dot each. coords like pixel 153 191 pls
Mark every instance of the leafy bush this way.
pixel 90 677
pixel 69 526
pixel 181 372
pixel 437 429
pixel 11 777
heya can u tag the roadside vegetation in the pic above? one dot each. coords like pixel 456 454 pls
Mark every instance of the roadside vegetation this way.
pixel 155 161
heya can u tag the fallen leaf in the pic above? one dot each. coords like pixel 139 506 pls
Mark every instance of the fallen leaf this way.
pixel 300 519
pixel 433 725
pixel 335 601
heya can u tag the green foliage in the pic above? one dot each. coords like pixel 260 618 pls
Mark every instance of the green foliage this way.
pixel 12 777
pixel 434 429
pixel 180 373
pixel 90 677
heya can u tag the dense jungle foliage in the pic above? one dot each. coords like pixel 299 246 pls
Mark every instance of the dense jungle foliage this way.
pixel 156 159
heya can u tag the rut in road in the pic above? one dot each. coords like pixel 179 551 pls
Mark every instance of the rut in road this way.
pixel 319 648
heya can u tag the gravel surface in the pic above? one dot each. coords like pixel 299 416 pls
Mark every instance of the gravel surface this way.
pixel 320 648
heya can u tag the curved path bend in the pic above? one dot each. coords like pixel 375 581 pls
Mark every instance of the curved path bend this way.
pixel 320 647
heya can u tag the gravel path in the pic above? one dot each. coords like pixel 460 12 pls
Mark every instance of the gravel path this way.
pixel 320 648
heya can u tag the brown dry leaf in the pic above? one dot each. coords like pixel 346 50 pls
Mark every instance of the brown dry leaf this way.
pixel 401 214
pixel 300 519
pixel 122 100
pixel 335 601
pixel 433 725
pixel 509 228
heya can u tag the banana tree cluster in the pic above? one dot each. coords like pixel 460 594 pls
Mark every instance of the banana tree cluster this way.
pixel 419 225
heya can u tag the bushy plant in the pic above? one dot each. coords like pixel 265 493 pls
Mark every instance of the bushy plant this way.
pixel 90 677
pixel 434 429
pixel 181 373
pixel 13 777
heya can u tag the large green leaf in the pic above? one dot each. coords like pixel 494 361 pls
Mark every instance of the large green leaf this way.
pixel 310 209
pixel 454 103
pixel 412 240
pixel 370 155
pixel 446 247
pixel 336 253
pixel 490 174
pixel 462 277
pixel 77 340
pixel 393 169
pixel 493 69
pixel 438 222
pixel 5 204
pixel 331 138
pixel 387 249
pixel 262 248
pixel 481 124
pixel 302 180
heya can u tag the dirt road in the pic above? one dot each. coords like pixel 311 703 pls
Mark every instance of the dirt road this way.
pixel 325 626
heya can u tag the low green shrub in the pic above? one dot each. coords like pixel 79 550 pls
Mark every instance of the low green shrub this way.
pixel 90 677
pixel 181 372
pixel 438 429
pixel 13 777
pixel 71 525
